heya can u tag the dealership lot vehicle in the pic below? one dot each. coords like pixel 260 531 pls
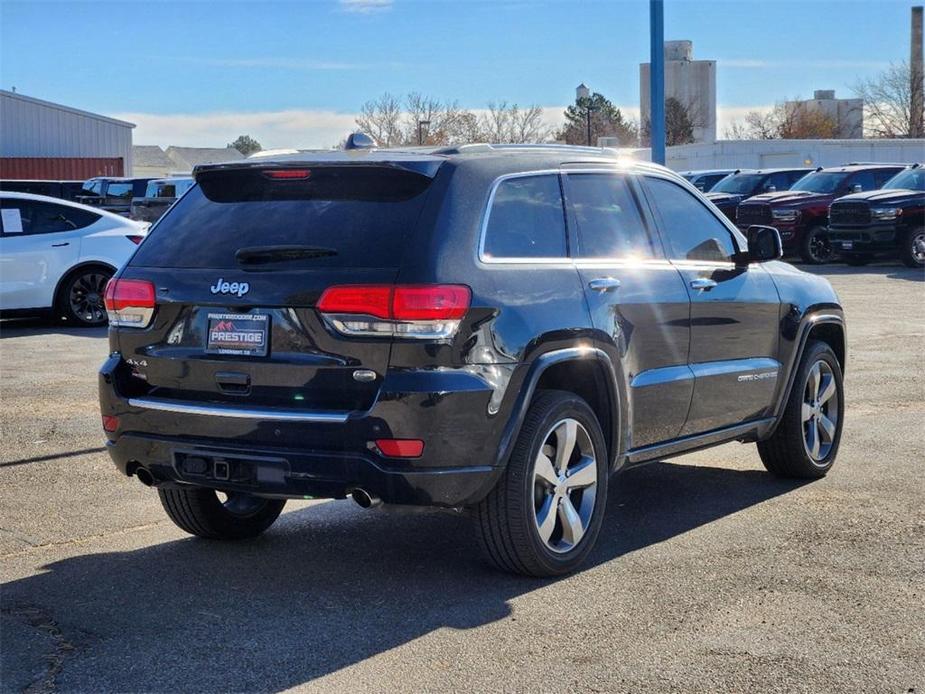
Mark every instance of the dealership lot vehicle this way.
pixel 58 256
pixel 160 194
pixel 706 180
pixel 66 190
pixel 288 358
pixel 890 221
pixel 801 213
pixel 112 194
pixel 744 183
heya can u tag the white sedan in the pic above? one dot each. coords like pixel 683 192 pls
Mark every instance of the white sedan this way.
pixel 58 255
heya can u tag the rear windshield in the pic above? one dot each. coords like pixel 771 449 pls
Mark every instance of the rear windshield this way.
pixel 359 217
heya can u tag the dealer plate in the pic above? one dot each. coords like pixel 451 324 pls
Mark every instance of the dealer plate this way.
pixel 236 333
pixel 847 245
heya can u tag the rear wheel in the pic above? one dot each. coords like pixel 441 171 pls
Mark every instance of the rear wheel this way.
pixel 545 513
pixel 235 517
pixel 912 250
pixel 806 440
pixel 80 300
pixel 816 248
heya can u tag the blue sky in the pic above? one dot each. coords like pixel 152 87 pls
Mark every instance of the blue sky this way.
pixel 293 73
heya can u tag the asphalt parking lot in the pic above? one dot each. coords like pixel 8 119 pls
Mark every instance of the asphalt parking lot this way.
pixel 709 574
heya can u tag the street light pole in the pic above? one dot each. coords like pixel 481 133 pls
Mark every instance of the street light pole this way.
pixel 583 97
pixel 657 80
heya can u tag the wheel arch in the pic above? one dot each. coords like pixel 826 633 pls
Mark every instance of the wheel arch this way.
pixel 588 372
pixel 66 277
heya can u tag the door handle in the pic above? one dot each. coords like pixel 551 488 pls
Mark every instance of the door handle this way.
pixel 604 284
pixel 59 245
pixel 703 284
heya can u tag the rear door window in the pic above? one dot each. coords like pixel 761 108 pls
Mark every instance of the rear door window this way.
pixel 608 218
pixel 526 219
pixel 119 190
pixel 356 216
pixel 44 218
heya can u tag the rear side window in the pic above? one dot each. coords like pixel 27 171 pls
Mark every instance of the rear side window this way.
pixel 608 218
pixel 526 219
pixel 354 216
pixel 119 190
pixel 691 230
pixel 32 217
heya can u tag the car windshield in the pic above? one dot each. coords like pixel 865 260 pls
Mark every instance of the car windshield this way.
pixel 910 179
pixel 739 183
pixel 820 182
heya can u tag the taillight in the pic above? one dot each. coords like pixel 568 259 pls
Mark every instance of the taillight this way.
pixel 130 303
pixel 427 312
pixel 110 423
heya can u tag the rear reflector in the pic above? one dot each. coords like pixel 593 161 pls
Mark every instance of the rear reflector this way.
pixel 130 303
pixel 135 238
pixel 110 423
pixel 428 312
pixel 288 174
pixel 400 448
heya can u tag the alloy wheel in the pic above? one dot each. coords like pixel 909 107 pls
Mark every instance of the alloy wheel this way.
pixel 820 411
pixel 820 248
pixel 85 297
pixel 564 485
pixel 918 247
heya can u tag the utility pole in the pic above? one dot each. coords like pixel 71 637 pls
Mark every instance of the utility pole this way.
pixel 916 89
pixel 657 80
pixel 421 124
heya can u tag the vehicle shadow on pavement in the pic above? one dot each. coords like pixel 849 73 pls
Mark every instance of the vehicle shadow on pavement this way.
pixel 329 586
pixel 891 270
pixel 21 327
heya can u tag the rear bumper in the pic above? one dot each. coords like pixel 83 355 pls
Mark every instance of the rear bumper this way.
pixel 323 456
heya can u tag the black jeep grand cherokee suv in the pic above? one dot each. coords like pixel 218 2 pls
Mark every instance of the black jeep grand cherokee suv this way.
pixel 495 329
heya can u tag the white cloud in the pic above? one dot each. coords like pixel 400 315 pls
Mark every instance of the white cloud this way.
pixel 365 6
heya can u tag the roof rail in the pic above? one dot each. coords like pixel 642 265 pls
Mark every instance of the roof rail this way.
pixel 876 163
pixel 549 147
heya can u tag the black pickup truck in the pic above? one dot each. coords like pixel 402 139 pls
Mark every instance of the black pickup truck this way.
pixel 889 221
pixel 112 194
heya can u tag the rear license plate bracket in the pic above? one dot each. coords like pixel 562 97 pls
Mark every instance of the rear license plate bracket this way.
pixel 242 334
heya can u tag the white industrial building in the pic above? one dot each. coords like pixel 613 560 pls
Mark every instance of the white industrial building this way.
pixel 691 82
pixel 846 114
pixel 41 139
pixel 757 154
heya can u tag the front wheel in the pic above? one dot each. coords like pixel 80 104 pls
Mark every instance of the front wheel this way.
pixel 816 248
pixel 545 513
pixel 201 512
pixel 912 250
pixel 806 440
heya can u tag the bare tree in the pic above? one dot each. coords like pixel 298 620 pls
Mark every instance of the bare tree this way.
pixel 381 119
pixel 888 100
pixel 789 120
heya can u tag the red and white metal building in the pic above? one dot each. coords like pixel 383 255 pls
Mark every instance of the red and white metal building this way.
pixel 43 140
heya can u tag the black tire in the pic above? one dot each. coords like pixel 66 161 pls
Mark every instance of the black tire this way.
pixel 787 452
pixel 80 296
pixel 815 247
pixel 507 519
pixel 912 248
pixel 857 259
pixel 200 512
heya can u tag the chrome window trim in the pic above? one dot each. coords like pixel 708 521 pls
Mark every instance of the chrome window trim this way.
pixel 261 413
pixel 486 213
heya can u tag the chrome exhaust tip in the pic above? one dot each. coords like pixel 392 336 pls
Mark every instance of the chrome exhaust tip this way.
pixel 364 499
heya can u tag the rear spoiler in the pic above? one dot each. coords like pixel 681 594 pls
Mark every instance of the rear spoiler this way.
pixel 424 166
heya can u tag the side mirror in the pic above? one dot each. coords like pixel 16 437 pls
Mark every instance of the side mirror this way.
pixel 764 244
pixel 771 189
pixel 857 188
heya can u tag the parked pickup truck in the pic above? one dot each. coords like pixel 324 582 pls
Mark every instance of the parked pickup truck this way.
pixel 889 221
pixel 112 194
pixel 160 194
pixel 744 183
pixel 706 179
pixel 801 214
pixel 66 190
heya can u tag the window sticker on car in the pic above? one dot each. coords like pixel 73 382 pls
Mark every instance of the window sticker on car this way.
pixel 235 333
pixel 12 221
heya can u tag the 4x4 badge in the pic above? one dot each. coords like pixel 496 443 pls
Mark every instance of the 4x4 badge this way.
pixel 222 287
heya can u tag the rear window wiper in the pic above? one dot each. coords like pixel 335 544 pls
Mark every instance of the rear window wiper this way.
pixel 257 255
